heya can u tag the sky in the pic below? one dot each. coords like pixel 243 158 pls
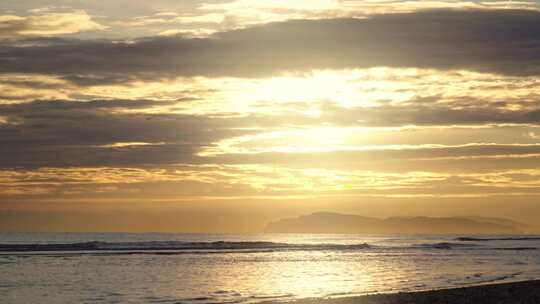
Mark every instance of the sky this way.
pixel 219 116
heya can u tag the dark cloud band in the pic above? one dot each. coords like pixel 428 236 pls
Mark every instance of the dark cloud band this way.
pixel 498 41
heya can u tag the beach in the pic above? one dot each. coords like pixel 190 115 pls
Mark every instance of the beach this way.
pixel 527 292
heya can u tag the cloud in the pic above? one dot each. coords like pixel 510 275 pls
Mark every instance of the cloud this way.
pixel 208 18
pixel 420 155
pixel 97 149
pixel 191 182
pixel 95 133
pixel 141 132
pixel 265 136
pixel 495 41
pixel 533 135
pixel 47 23
pixel 241 13
pixel 429 112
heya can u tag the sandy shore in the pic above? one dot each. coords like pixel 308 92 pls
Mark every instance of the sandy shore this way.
pixel 509 293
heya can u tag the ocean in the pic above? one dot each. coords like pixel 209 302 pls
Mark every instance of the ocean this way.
pixel 205 269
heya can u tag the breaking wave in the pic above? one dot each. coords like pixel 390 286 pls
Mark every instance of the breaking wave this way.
pixel 176 246
pixel 447 245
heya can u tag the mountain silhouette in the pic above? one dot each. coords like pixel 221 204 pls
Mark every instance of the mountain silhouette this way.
pixel 329 222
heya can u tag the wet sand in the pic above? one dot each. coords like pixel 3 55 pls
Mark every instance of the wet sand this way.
pixel 527 292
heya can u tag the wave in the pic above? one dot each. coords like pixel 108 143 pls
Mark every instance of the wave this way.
pixel 503 277
pixel 474 239
pixel 176 246
pixel 446 245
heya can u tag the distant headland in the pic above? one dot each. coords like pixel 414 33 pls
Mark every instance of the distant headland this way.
pixel 329 222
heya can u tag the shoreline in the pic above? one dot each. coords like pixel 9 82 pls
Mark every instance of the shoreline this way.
pixel 522 292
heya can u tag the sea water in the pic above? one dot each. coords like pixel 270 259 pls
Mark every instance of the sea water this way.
pixel 202 269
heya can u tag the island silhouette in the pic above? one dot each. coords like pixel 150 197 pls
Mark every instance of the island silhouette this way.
pixel 330 222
